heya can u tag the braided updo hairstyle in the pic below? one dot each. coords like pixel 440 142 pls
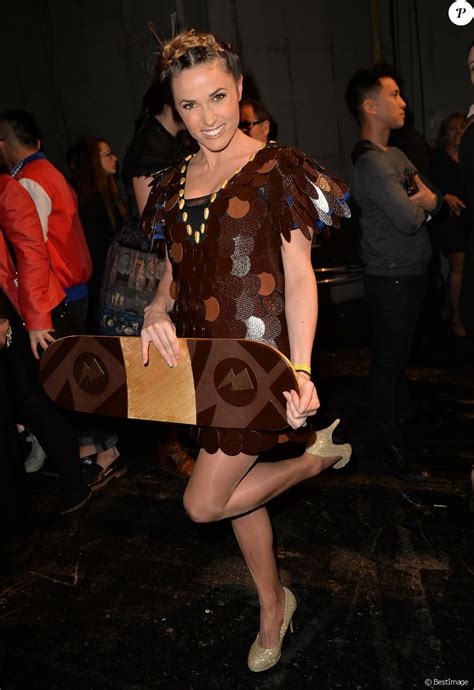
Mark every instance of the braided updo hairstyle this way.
pixel 190 48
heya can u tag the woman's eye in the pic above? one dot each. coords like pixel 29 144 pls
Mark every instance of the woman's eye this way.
pixel 188 106
pixel 219 96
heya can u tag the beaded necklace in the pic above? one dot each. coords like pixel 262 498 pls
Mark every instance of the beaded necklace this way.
pixel 207 209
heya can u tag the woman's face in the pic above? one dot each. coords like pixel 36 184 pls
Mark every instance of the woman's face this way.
pixel 207 99
pixel 455 130
pixel 108 159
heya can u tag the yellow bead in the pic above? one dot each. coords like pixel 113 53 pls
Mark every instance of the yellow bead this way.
pixel 183 169
pixel 189 230
pixel 213 197
pixel 224 184
pixel 181 193
pixel 206 213
pixel 188 158
pixel 182 180
pixel 185 216
pixel 252 157
pixel 181 204
pixel 197 237
pixel 237 171
pixel 203 228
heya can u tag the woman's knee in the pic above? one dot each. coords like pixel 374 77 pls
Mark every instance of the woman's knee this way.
pixel 198 510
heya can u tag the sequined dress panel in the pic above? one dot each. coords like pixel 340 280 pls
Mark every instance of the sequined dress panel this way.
pixel 230 284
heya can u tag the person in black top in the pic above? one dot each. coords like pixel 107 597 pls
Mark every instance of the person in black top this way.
pixel 133 269
pixel 101 209
pixel 466 164
pixel 451 226
pixel 155 145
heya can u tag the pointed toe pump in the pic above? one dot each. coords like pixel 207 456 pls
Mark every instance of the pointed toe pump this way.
pixel 321 444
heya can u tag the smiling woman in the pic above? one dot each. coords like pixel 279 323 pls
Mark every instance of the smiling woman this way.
pixel 238 219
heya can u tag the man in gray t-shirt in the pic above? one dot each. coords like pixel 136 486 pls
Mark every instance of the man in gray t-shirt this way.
pixel 395 204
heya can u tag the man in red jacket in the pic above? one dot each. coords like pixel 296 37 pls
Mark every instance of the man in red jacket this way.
pixel 28 282
pixel 69 260
pixel 56 205
pixel 40 280
pixel 26 278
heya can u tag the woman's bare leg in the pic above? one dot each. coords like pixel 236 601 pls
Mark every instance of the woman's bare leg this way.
pixel 224 486
pixel 255 537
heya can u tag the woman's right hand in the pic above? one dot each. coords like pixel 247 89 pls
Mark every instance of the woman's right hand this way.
pixel 159 330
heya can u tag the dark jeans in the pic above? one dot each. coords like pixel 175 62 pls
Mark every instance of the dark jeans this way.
pixel 15 510
pixel 394 305
pixel 46 420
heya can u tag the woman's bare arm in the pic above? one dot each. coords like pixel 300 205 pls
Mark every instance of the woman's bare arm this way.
pixel 301 310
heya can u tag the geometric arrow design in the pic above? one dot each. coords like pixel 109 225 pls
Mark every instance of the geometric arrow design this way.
pixel 91 372
pixel 237 382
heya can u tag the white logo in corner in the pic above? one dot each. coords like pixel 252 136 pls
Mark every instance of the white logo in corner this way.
pixel 461 12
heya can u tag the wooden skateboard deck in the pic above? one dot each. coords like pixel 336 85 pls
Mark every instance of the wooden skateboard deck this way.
pixel 218 382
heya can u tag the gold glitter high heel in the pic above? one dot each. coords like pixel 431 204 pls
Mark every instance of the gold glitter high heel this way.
pixel 261 659
pixel 321 444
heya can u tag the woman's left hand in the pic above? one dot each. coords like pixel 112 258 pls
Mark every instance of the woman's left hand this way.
pixel 300 407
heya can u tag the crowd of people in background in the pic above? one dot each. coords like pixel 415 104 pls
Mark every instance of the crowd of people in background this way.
pixel 74 259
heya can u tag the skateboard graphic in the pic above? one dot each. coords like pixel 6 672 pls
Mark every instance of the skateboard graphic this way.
pixel 218 382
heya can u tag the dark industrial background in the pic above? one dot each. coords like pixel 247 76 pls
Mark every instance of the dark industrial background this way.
pixel 82 66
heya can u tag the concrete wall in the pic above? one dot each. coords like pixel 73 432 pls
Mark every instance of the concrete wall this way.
pixel 81 65
pixel 299 56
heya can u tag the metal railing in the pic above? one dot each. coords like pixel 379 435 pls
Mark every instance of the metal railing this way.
pixel 339 275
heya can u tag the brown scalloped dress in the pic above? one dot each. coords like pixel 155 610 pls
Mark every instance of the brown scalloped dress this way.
pixel 231 283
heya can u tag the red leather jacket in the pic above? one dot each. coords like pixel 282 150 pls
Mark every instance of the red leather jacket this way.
pixel 30 285
pixel 56 204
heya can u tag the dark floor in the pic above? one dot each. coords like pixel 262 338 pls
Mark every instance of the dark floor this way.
pixel 140 597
